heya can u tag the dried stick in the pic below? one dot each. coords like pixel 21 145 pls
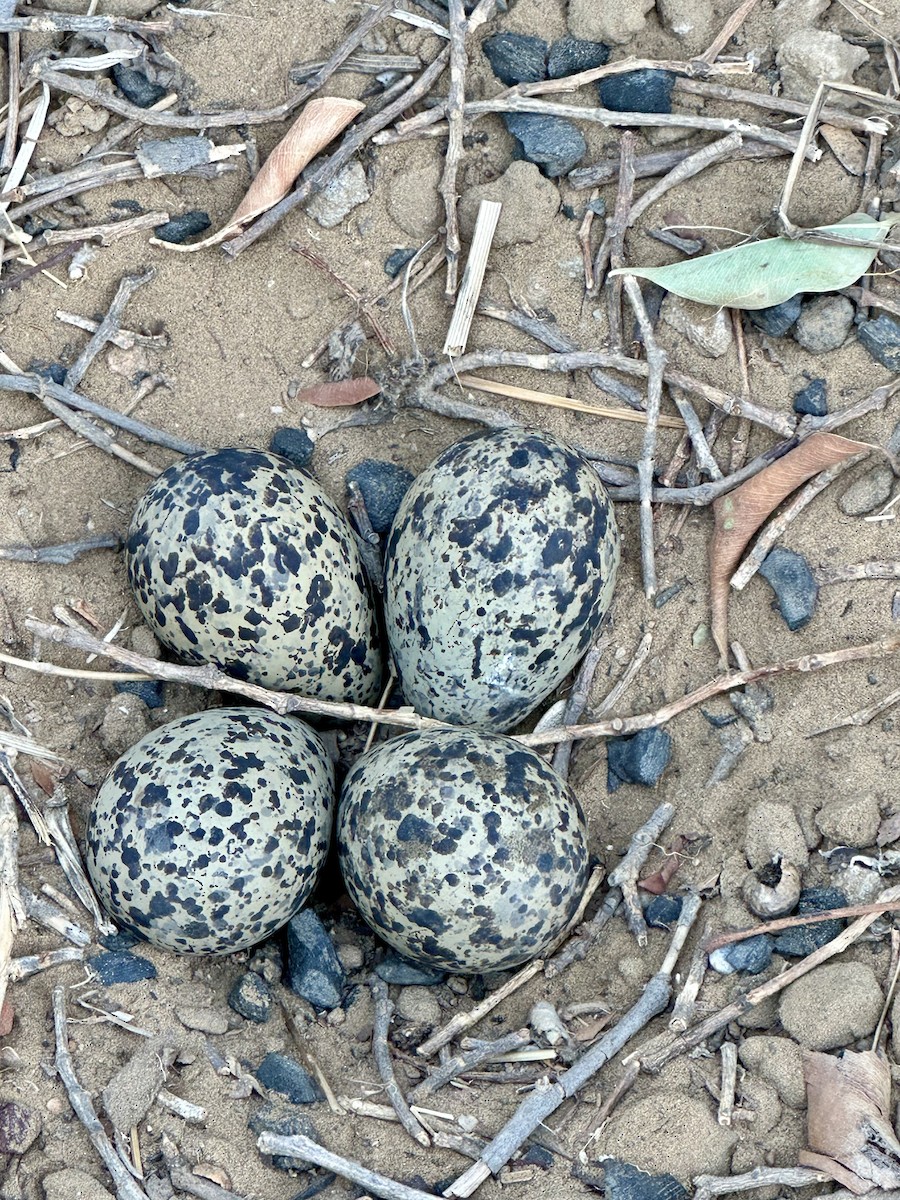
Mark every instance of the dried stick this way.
pixel 578 948
pixel 852 572
pixel 862 716
pixel 106 233
pixel 776 527
pixel 282 702
pixel 51 917
pixel 31 964
pixel 578 701
pixel 686 1000
pixel 626 873
pixel 455 99
pixel 539 1105
pixel 34 814
pixel 125 339
pixel 627 677
pixel 79 1098
pixel 648 165
pixel 513 392
pixel 779 923
pixel 461 1064
pixel 107 328
pixel 467 1019
pixel 383 1011
pixel 728 30
pixel 473 277
pixel 63 554
pixel 708 1186
pixel 687 168
pixel 12 109
pixel 184 1180
pixel 780 104
pixel 369 1181
pixel 697 438
pixel 613 242
pixel 57 816
pixel 12 906
pixel 92 432
pixel 363 305
pixel 351 142
pixel 728 1052
pixel 656 362
pixel 59 22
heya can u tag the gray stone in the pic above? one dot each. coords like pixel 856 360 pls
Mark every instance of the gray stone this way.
pixel 351 956
pixel 205 1020
pixel 19 1126
pixel 314 970
pixel 128 1095
pixel 868 492
pixel 126 720
pixel 794 585
pixel 280 1073
pixel 616 23
pixel 809 56
pixel 824 323
pixel 284 1120
pixel 553 143
pixel 71 1184
pixel 773 831
pixel 251 998
pixel 348 190
pixel 708 329
pixel 419 1006
pixel 692 21
pixel 881 338
pixel 530 202
pixel 832 1006
pixel 398 970
pixel 850 820
pixel 516 57
pixel 776 1060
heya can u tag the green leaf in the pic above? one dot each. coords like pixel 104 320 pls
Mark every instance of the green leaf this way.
pixel 760 274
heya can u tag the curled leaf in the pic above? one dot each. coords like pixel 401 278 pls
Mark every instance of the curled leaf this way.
pixel 740 513
pixel 339 393
pixel 319 123
pixel 760 274
pixel 849 1127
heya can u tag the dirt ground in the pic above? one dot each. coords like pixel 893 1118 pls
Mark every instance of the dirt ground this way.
pixel 237 333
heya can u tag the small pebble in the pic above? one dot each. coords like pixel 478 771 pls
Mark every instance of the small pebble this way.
pixel 281 1074
pixel 663 911
pixel 125 722
pixel 418 1006
pixel 851 819
pixel 644 91
pixel 516 58
pixel 119 966
pixel 19 1126
pixel 708 330
pixel 776 320
pixel 267 961
pixel 569 55
pixel 250 997
pixel 640 758
pixel 881 338
pixel 824 323
pixel 397 970
pixel 751 956
pixel 553 144
pixel 348 190
pixel 867 493
pixel 457 985
pixel 397 260
pixel 383 486
pixel 204 1020
pixel 791 579
pixel 351 956
pixel 283 1120
pixel 136 87
pixel 812 401
pixel 293 444
pixel 313 968
pixel 184 226
pixel 150 691
pixel 809 56
pixel 536 1156
pixel 803 939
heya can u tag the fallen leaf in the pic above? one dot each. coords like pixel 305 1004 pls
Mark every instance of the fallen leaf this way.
pixel 889 830
pixel 848 1123
pixel 847 148
pixel 588 1029
pixel 213 1174
pixel 44 778
pixel 339 392
pixel 760 274
pixel 659 881
pixel 7 1016
pixel 85 609
pixel 740 513
pixel 319 123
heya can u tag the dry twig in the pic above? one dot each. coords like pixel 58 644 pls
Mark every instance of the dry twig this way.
pixel 382 1054
pixel 455 100
pixel 626 873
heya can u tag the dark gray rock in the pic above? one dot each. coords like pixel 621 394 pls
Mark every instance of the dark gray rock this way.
pixel 54 371
pixel 644 91
pixel 281 1074
pixel 551 143
pixel 397 970
pixel 293 444
pixel 314 970
pixel 536 1156
pixel 791 579
pixel 569 55
pixel 641 758
pixel 516 58
pixel 383 486
pixel 751 956
pixel 776 320
pixel 119 966
pixel 151 691
pixel 19 1126
pixel 397 260
pixel 136 87
pixel 182 227
pixel 881 338
pixel 803 939
pixel 250 997
pixel 284 1120
pixel 624 1181
pixel 812 401
pixel 663 911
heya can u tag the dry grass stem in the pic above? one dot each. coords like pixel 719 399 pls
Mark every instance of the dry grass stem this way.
pixel 473 278
pixel 513 392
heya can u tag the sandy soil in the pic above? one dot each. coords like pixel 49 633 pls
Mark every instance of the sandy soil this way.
pixel 238 332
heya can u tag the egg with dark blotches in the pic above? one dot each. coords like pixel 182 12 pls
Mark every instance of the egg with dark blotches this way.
pixel 238 558
pixel 209 833
pixel 462 850
pixel 499 569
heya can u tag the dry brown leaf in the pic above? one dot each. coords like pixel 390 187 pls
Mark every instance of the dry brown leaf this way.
pixel 319 123
pixel 339 393
pixel 659 881
pixel 740 513
pixel 44 778
pixel 849 1129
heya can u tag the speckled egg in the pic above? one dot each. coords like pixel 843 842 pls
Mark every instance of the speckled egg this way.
pixel 238 558
pixel 208 834
pixel 500 566
pixel 462 850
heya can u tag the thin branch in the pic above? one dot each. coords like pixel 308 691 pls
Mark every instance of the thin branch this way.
pixel 12 107
pixel 578 700
pixel 686 1000
pixel 460 1064
pixel 456 96
pixel 780 104
pixel 363 305
pixel 369 1181
pixel 852 572
pixel 107 328
pixel 59 22
pixel 467 1019
pixel 612 245
pixel 862 716
pixel 706 156
pixel 728 30
pixel 382 1054
pixel 780 923
pixel 625 874
pixel 63 554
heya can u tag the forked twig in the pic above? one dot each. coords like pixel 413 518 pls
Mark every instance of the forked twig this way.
pixel 382 1054
pixel 625 874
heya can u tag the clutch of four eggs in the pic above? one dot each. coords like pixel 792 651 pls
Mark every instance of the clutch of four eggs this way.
pixel 461 848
